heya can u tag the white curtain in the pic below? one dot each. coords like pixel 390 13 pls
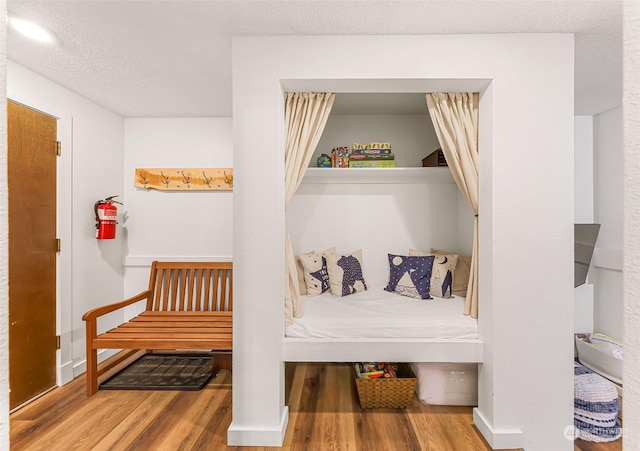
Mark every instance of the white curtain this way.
pixel 455 119
pixel 306 114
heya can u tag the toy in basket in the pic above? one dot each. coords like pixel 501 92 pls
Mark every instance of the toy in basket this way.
pixel 384 385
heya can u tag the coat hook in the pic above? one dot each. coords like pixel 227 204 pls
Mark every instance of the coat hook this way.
pixel 207 180
pixel 185 179
pixel 228 180
pixel 145 181
pixel 165 179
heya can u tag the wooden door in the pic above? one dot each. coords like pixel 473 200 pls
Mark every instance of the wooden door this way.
pixel 31 163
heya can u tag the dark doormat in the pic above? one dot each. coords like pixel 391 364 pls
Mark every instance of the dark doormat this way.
pixel 163 372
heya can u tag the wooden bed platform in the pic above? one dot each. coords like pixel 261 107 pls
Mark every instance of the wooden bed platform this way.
pixel 382 350
pixel 381 326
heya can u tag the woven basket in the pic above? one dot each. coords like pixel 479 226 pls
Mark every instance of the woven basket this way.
pixel 394 393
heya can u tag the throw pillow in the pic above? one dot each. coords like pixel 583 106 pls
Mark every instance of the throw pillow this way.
pixel 345 273
pixel 443 273
pixel 301 283
pixel 410 275
pixel 316 276
pixel 463 271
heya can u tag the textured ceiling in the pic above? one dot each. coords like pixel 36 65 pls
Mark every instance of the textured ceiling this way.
pixel 173 58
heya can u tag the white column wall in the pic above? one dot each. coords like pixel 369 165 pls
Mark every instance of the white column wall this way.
pixel 90 168
pixel 526 287
pixel 609 212
pixel 530 203
pixel 259 415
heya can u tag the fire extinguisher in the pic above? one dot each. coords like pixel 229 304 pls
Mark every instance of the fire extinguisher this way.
pixel 106 218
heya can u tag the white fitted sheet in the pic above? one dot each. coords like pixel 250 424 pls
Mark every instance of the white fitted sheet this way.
pixel 377 313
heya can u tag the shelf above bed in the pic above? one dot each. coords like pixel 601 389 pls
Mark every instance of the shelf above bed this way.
pixel 441 175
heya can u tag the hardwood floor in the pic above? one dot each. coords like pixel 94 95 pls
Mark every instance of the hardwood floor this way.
pixel 324 414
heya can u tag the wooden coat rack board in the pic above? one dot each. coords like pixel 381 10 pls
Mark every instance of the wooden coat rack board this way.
pixel 185 179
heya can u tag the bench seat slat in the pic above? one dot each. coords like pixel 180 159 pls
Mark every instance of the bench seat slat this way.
pixel 124 336
pixel 184 314
pixel 159 335
pixel 184 319
pixel 121 332
pixel 192 319
pixel 176 324
pixel 162 342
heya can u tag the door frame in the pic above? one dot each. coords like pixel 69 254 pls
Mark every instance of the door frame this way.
pixel 64 218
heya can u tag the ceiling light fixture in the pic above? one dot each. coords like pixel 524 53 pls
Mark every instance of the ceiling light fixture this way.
pixel 33 30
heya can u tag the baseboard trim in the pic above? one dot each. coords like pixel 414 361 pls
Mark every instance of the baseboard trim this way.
pixel 497 439
pixel 257 436
pixel 104 354
pixel 65 373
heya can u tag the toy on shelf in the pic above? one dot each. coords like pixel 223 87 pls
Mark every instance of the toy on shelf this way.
pixel 324 161
pixel 380 370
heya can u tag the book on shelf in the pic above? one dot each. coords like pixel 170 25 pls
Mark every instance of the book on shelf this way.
pixel 371 147
pixel 366 156
pixel 372 164
pixel 340 157
pixel 371 151
pixel 435 159
pixel 372 155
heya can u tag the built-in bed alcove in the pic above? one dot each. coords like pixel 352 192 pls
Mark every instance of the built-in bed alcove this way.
pixel 525 318
pixel 381 211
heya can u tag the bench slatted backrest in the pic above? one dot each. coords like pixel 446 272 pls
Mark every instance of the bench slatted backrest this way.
pixel 191 286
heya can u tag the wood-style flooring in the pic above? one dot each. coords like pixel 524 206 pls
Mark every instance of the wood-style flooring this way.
pixel 324 414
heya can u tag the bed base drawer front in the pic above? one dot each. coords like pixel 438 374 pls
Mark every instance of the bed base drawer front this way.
pixel 382 350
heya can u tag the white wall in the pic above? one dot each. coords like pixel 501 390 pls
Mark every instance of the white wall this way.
pixel 383 218
pixel 609 212
pixel 412 136
pixel 583 213
pixel 90 168
pixel 175 224
pixel 514 272
pixel 4 235
pixel 631 105
pixel 583 182
pixel 377 218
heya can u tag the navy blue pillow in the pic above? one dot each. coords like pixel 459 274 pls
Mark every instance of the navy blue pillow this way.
pixel 410 275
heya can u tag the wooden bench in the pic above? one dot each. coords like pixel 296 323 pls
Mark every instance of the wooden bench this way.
pixel 188 306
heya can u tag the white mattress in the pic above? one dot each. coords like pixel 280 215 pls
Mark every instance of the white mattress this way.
pixel 376 313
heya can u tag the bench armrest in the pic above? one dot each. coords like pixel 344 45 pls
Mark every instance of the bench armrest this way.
pixel 99 311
